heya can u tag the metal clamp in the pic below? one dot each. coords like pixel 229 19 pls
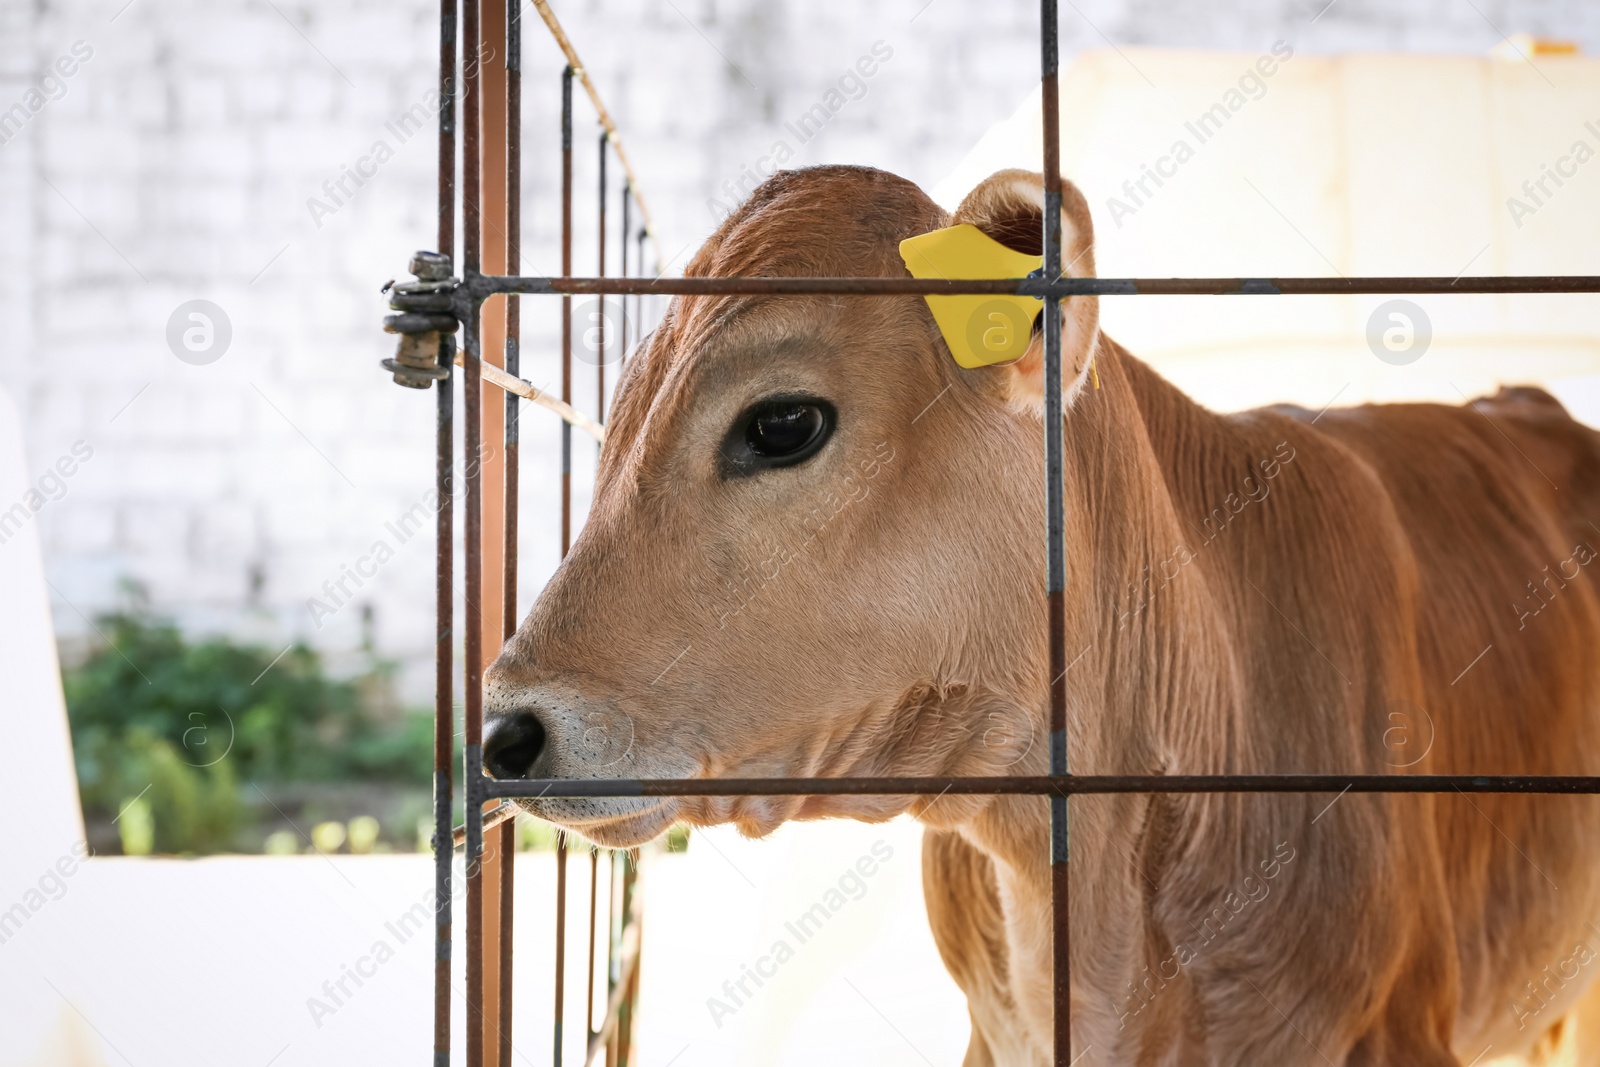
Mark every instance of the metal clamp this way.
pixel 426 322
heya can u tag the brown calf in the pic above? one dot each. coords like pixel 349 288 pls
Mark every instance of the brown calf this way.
pixel 815 549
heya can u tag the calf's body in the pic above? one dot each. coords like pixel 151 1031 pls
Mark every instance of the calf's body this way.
pixel 1382 589
pixel 1366 608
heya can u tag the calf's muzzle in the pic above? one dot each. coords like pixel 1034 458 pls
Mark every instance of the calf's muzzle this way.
pixel 512 741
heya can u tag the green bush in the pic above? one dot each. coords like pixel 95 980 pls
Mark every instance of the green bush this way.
pixel 186 727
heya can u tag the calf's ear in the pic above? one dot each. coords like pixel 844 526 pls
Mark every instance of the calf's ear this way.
pixel 1008 206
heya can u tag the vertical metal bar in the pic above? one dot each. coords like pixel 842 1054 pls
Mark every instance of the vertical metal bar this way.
pixel 594 855
pixel 618 1053
pixel 566 521
pixel 594 896
pixel 1055 567
pixel 616 922
pixel 600 271
pixel 444 562
pixel 561 947
pixel 472 448
pixel 506 845
pixel 639 303
pixel 625 1009
pixel 656 269
pixel 513 302
pixel 507 842
pixel 622 342
pixel 566 306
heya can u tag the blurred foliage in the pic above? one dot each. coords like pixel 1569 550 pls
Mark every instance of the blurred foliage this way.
pixel 363 834
pixel 167 732
pixel 535 835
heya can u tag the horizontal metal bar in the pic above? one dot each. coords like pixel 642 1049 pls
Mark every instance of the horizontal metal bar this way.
pixel 484 285
pixel 1042 785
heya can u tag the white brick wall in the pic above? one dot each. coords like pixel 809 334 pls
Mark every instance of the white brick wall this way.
pixel 178 163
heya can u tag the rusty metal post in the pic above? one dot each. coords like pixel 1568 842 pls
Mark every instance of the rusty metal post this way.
pixel 493 148
pixel 507 831
pixel 566 520
pixel 566 306
pixel 444 561
pixel 1055 540
pixel 472 448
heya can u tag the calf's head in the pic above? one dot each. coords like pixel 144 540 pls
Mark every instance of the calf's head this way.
pixel 814 545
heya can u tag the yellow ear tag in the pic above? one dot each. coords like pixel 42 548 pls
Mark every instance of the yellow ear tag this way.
pixel 980 330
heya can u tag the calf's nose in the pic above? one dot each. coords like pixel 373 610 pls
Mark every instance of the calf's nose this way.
pixel 511 742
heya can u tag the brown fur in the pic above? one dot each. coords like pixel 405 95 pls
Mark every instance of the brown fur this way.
pixel 879 610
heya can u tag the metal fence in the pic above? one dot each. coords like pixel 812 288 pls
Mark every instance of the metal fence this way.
pixel 430 310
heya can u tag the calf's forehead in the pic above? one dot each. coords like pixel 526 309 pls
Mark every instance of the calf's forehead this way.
pixel 820 222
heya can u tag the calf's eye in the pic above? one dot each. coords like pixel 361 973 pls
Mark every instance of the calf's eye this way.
pixel 778 433
pixel 784 430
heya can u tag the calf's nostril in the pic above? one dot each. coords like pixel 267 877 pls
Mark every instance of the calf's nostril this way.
pixel 511 743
